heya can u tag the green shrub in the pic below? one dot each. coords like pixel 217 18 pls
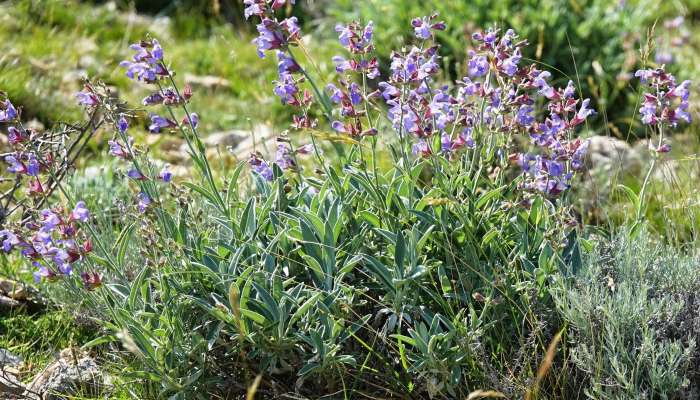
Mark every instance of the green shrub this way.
pixel 632 316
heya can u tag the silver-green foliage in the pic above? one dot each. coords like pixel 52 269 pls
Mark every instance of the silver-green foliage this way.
pixel 633 320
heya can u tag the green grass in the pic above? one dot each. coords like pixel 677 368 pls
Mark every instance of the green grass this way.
pixel 43 44
pixel 38 338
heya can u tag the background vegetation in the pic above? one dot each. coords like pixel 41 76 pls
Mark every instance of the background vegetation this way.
pixel 386 289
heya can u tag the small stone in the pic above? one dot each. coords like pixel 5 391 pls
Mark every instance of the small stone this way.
pixel 68 376
pixel 8 359
pixel 610 155
pixel 224 139
pixel 10 386
pixel 35 125
pixel 207 81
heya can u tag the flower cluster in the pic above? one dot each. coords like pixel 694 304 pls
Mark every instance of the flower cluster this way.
pixel 147 63
pixel 26 160
pixel 350 96
pixel 277 36
pixel 125 151
pixel 53 243
pixel 499 95
pixel 285 158
pixel 667 102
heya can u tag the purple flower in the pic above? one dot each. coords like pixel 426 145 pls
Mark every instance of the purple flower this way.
pixel 286 64
pixel 648 113
pixel 681 112
pixel 338 126
pixel 270 37
pixel 49 220
pixel 389 91
pixel 158 123
pixel 540 82
pixel 87 98
pixel 117 150
pixel 33 166
pixel 682 91
pixel 524 116
pixel 15 135
pixel 583 113
pixel 355 95
pixel 193 120
pixel 143 202
pixel 165 175
pixel 9 240
pixel 644 75
pixel 80 212
pixel 136 174
pixel 8 112
pixel 140 71
pixel 336 94
pixel 286 88
pixel 569 91
pixel 341 64
pixel 421 148
pixel 253 7
pixel 122 124
pixel 510 64
pixel 16 166
pixel 153 98
pixel 345 33
pixel 283 157
pixel 423 27
pixel 478 66
pixel 147 62
pixel 260 167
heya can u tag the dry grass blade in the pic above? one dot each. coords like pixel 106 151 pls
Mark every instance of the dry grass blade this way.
pixel 253 388
pixel 544 366
pixel 483 394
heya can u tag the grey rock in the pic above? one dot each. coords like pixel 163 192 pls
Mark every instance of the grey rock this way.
pixel 224 139
pixel 35 125
pixel 8 359
pixel 207 81
pixel 10 385
pixel 610 155
pixel 67 377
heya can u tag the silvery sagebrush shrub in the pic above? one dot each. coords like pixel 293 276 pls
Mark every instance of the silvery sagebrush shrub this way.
pixel 633 320
pixel 331 273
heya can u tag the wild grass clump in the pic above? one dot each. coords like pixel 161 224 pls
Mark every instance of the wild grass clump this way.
pixel 400 242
